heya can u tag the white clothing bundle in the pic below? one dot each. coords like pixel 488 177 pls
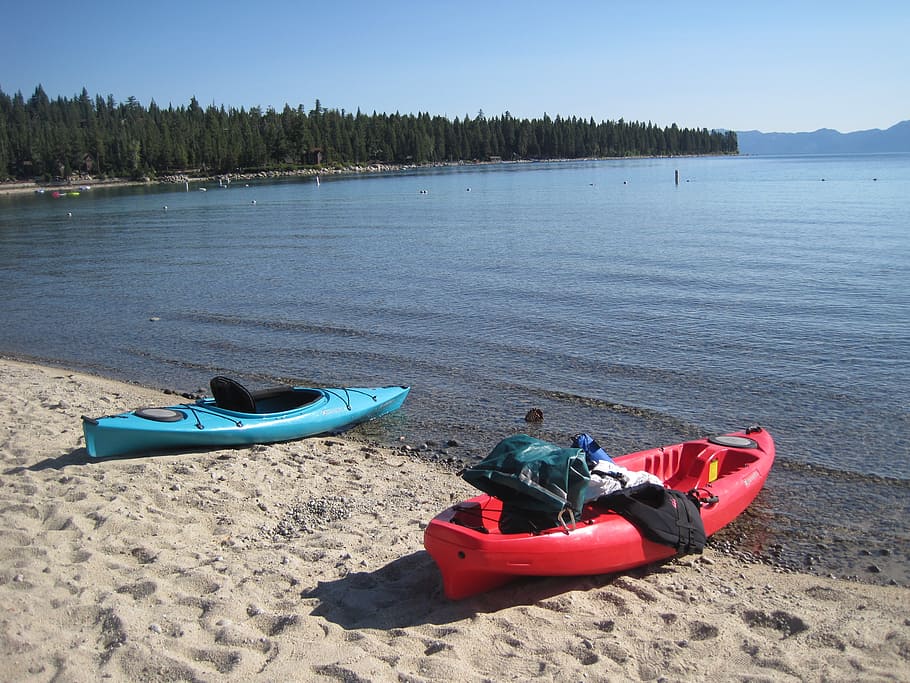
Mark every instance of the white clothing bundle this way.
pixel 607 477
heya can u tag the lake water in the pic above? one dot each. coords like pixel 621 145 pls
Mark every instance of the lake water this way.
pixel 764 290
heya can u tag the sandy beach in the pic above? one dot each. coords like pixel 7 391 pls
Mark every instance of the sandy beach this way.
pixel 29 187
pixel 24 187
pixel 304 561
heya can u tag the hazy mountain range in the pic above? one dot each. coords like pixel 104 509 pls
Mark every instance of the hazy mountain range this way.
pixel 827 141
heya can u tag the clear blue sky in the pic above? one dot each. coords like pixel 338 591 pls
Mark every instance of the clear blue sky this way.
pixel 772 66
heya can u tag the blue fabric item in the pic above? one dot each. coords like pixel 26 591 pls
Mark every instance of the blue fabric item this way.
pixel 591 448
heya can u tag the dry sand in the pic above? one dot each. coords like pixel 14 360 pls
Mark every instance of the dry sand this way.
pixel 304 561
pixel 30 187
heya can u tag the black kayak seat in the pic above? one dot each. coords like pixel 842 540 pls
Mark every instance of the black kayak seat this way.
pixel 230 394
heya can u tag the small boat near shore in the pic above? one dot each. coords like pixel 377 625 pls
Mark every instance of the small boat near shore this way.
pixel 474 555
pixel 234 416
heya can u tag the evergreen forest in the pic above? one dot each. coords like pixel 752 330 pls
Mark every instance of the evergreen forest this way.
pixel 45 139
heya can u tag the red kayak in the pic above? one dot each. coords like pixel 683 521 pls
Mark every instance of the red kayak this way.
pixel 474 556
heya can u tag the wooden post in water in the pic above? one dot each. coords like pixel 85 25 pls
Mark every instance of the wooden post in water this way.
pixel 677 176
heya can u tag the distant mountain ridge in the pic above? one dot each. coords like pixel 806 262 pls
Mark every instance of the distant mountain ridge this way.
pixel 827 141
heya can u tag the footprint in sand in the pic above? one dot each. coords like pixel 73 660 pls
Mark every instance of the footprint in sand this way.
pixel 778 620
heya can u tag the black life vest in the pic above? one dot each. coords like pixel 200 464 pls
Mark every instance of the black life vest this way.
pixel 661 515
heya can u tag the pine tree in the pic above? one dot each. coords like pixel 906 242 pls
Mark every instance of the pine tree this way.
pixel 44 138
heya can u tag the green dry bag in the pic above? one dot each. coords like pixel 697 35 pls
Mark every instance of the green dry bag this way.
pixel 539 483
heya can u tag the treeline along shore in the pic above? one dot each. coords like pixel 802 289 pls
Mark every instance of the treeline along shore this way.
pixel 43 139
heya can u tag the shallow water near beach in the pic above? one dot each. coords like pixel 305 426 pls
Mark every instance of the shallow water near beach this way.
pixel 762 290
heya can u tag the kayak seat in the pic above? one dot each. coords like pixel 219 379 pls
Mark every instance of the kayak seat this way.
pixel 232 395
pixel 229 394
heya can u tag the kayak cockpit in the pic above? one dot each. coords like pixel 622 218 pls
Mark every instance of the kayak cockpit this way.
pixel 230 395
pixel 282 399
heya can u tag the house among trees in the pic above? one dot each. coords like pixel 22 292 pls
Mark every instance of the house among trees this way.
pixel 314 157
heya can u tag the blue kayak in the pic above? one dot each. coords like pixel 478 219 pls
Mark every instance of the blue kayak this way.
pixel 234 416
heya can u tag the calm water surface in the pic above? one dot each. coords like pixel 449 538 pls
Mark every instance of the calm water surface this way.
pixel 759 290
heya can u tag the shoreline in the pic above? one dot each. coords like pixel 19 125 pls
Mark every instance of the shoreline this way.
pixel 8 188
pixel 27 187
pixel 305 560
pixel 876 563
